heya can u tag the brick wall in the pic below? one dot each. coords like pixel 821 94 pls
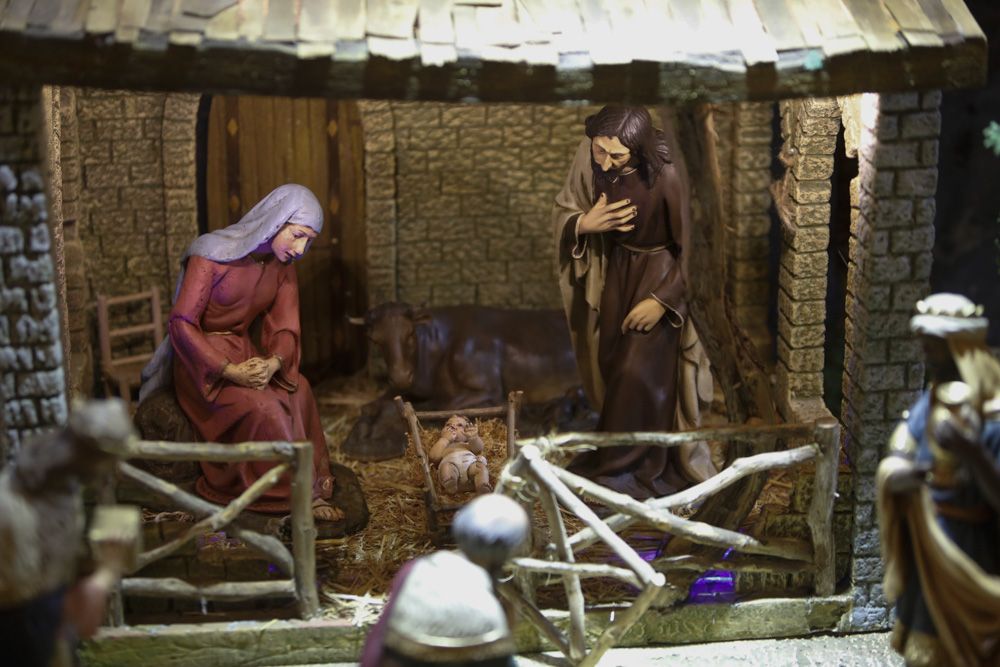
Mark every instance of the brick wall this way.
pixel 380 199
pixel 137 208
pixel 750 220
pixel 474 190
pixel 32 386
pixel 809 129
pixel 892 234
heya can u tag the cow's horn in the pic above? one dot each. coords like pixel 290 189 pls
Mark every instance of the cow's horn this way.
pixel 357 321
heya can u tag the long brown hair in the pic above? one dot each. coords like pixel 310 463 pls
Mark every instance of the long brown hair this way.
pixel 634 128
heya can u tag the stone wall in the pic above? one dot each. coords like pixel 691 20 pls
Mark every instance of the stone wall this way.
pixel 474 191
pixel 137 209
pixel 749 172
pixel 380 199
pixel 809 129
pixel 892 234
pixel 31 355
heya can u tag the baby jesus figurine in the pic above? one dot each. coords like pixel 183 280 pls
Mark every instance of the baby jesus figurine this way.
pixel 458 455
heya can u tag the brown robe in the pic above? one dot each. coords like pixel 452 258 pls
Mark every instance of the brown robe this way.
pixel 643 381
pixel 209 327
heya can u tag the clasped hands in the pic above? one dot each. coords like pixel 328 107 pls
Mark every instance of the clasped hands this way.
pixel 255 372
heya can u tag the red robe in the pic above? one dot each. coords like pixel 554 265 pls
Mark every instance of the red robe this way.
pixel 209 327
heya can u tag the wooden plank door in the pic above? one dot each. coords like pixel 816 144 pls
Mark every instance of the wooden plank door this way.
pixel 255 144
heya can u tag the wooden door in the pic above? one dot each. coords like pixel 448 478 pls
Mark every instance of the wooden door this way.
pixel 255 144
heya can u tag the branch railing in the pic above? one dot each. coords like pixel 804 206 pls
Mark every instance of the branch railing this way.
pixel 533 475
pixel 299 565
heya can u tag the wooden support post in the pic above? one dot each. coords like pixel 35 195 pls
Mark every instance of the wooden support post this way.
pixel 267 545
pixel 820 515
pixel 304 530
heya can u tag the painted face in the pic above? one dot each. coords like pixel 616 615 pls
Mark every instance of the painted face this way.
pixel 456 425
pixel 292 242
pixel 609 153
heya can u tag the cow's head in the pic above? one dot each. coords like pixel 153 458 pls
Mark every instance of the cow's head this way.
pixel 393 327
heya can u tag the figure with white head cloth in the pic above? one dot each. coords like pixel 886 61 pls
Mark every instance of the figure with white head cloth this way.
pixel 939 496
pixel 443 608
pixel 231 390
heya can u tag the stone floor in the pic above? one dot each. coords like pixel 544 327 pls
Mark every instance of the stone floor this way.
pixel 869 650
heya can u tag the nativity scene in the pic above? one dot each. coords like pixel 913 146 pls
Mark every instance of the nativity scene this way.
pixel 456 332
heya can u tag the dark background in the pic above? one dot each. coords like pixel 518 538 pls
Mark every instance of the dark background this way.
pixel 966 258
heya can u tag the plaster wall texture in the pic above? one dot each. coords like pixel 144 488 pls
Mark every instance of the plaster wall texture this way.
pixel 892 234
pixel 32 384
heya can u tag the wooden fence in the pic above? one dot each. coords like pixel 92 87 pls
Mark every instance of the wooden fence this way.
pixel 532 476
pixel 299 565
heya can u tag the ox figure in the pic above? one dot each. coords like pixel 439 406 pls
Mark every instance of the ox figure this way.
pixel 455 357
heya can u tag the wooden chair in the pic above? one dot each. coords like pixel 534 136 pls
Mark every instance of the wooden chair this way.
pixel 124 373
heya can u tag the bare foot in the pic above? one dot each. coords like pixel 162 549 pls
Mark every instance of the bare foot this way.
pixel 484 488
pixel 324 511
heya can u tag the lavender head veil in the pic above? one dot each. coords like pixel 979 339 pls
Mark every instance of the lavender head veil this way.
pixel 290 203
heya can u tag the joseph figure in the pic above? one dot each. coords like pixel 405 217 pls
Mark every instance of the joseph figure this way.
pixel 620 228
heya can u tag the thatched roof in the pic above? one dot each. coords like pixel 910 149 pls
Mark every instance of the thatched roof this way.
pixel 513 50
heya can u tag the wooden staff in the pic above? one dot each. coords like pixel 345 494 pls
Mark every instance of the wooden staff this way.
pixel 267 545
pixel 583 570
pixel 304 530
pixel 739 469
pixel 218 520
pixel 696 531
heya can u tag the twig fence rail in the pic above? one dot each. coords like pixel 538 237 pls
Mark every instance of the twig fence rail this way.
pixel 534 475
pixel 299 565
